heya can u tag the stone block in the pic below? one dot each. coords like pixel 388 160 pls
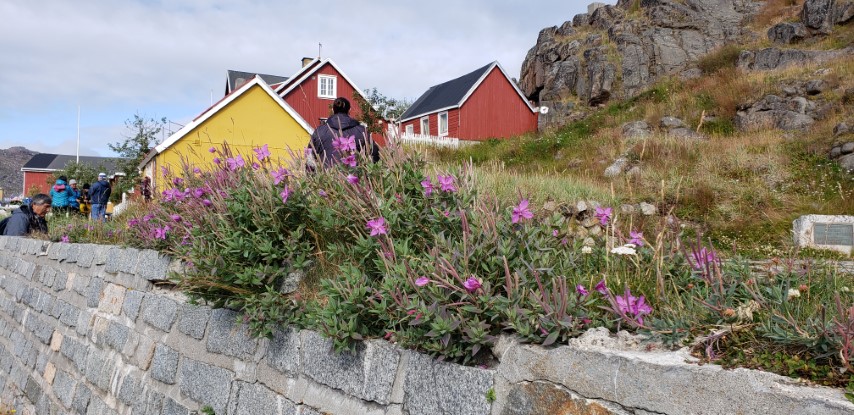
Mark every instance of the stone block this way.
pixel 33 390
pixel 81 399
pixel 112 299
pixel 433 387
pixel 49 373
pixel 74 351
pixel 56 341
pixel 93 292
pixel 68 314
pixel 283 354
pixel 144 352
pixel 206 384
pixel 193 319
pixel 547 398
pixel 60 281
pixel 40 328
pixel 63 388
pixel 368 373
pixel 149 403
pixel 73 253
pixel 152 266
pixel 164 364
pixel 228 336
pixel 102 253
pixel 253 399
pixel 84 320
pixel 116 336
pixel 86 256
pixel 130 389
pixel 80 284
pixel 133 299
pixel 159 311
pixel 122 260
pixel 170 407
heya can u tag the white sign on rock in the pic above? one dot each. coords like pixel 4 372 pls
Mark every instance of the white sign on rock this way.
pixel 834 232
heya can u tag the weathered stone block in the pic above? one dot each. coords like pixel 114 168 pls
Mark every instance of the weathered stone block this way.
pixel 112 299
pixel 228 336
pixel 130 389
pixel 170 407
pixel 433 387
pixel 283 353
pixel 164 365
pixel 80 284
pixel 68 314
pixel 102 253
pixel 56 341
pixel 74 351
pixel 144 352
pixel 159 311
pixel 116 336
pixel 59 281
pixel 254 399
pixel 133 299
pixel 152 266
pixel 368 373
pixel 49 373
pixel 193 319
pixel 93 292
pixel 63 388
pixel 206 384
pixel 150 403
pixel 122 260
pixel 86 256
pixel 33 390
pixel 81 399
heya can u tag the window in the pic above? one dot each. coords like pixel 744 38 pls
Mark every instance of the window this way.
pixel 425 126
pixel 326 87
pixel 443 124
pixel 410 129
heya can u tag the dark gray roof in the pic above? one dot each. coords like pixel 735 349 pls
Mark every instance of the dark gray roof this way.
pixel 54 162
pixel 233 76
pixel 445 95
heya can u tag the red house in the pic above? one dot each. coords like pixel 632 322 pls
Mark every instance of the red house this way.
pixel 483 104
pixel 311 90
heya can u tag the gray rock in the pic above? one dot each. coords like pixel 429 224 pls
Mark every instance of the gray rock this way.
pixel 117 335
pixel 93 292
pixel 74 351
pixel 835 152
pixel 648 209
pixel 291 282
pixel 840 129
pixel 229 336
pixel 686 134
pixel 170 407
pixel 433 387
pixel 122 260
pixel 283 353
pixel 86 256
pixel 206 384
pixel 565 29
pixel 367 373
pixel 254 399
pixel 164 364
pixel 847 162
pixel 600 76
pixel 81 399
pixel 669 123
pixel 617 168
pixel 133 300
pixel 847 148
pixel 787 33
pixel 63 387
pixel 580 20
pixel 152 266
pixel 843 12
pixel 636 129
pixel 159 311
pixel 816 86
pixel 774 58
pixel 192 320
pixel 818 14
pixel 606 16
pixel 130 390
pixel 149 403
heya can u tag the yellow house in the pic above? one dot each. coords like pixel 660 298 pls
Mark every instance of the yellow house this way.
pixel 247 118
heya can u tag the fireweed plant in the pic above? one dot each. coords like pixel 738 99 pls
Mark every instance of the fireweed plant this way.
pixel 428 261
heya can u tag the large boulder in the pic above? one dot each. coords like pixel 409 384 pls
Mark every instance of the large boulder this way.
pixel 818 15
pixel 847 163
pixel 843 12
pixel 601 75
pixel 787 33
pixel 772 111
pixel 636 129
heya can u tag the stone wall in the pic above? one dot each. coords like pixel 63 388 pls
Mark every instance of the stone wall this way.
pixel 89 329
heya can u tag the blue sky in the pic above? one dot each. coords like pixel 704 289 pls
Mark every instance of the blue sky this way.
pixel 115 58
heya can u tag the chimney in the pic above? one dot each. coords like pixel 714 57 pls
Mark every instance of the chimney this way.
pixel 306 61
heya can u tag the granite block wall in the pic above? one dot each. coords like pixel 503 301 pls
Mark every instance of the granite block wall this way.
pixel 93 329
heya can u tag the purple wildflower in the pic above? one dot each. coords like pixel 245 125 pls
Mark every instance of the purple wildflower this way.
pixel 147 218
pixel 216 160
pixel 446 183
pixel 636 238
pixel 176 217
pixel 522 212
pixel 285 194
pixel 197 170
pixel 212 150
pixel 255 166
pixel 133 222
pixel 198 192
pixel 581 290
pixel 322 193
pixel 350 160
pixel 704 258
pixel 472 284
pixel 377 226
pixel 207 202
pixel 601 288
pixel 633 306
pixel 160 233
pixel 177 181
pixel 604 215
pixel 235 162
pixel 261 153
pixel 279 175
pixel 64 239
pixel 427 184
pixel 352 179
pixel 555 233
pixel 422 281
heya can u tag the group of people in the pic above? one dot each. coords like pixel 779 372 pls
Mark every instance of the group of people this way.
pixel 65 198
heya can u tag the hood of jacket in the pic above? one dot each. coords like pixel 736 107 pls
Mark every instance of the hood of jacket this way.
pixel 341 122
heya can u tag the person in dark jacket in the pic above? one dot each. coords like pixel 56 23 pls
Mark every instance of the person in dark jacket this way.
pixel 326 140
pixel 28 219
pixel 99 194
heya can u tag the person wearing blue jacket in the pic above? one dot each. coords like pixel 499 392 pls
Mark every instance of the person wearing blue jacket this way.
pixel 99 194
pixel 61 195
pixel 74 196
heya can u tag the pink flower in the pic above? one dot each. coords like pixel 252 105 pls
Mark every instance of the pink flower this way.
pixel 235 162
pixel 581 290
pixel 207 202
pixel 636 238
pixel 428 186
pixel 604 215
pixel 446 183
pixel 262 152
pixel 64 239
pixel 164 171
pixel 285 194
pixel 522 212
pixel 377 226
pixel 147 218
pixel 601 288
pixel 160 233
pixel 555 233
pixel 350 160
pixel 472 284
pixel 422 281
pixel 634 306
pixel 216 160
pixel 212 150
pixel 175 217
pixel 133 222
pixel 279 175
pixel 255 166
pixel 198 192
pixel 197 170
pixel 177 181
pixel 322 193
pixel 352 179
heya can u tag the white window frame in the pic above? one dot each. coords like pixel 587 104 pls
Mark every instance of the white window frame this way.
pixel 425 125
pixel 439 123
pixel 410 129
pixel 333 92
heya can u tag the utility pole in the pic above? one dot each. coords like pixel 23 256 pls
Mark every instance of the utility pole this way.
pixel 78 133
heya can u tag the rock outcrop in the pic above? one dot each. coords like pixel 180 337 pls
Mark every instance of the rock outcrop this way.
pixel 648 39
pixel 11 161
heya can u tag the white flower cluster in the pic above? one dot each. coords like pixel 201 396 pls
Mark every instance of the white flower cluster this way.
pixel 627 249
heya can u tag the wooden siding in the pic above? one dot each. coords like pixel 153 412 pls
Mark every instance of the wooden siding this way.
pixel 38 179
pixel 312 108
pixel 495 110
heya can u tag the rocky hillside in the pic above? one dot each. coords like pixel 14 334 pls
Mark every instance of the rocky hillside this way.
pixel 11 161
pixel 617 52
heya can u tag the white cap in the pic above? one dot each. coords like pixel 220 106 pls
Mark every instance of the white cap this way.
pixel 102 174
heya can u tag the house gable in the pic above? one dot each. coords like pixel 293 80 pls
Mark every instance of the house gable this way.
pixel 495 110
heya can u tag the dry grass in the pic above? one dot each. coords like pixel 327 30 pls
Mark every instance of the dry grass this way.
pixel 774 12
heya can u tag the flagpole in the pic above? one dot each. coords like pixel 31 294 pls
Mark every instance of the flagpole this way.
pixel 78 133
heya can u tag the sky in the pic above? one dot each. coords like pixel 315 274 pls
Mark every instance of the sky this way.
pixel 168 58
